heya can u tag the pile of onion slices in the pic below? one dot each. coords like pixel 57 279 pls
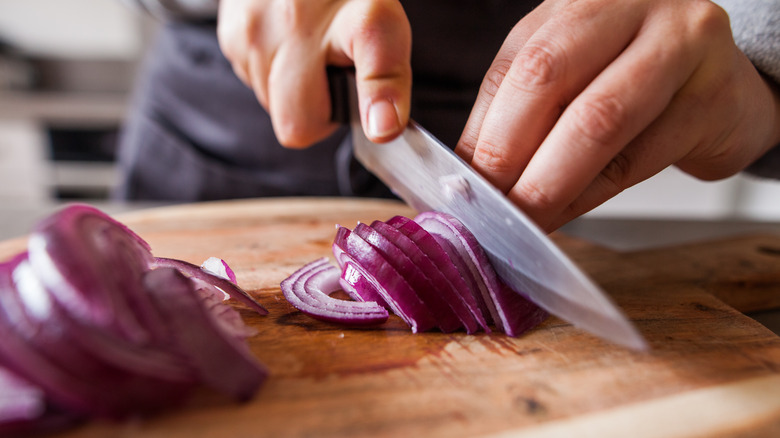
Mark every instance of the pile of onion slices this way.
pixel 93 325
pixel 430 271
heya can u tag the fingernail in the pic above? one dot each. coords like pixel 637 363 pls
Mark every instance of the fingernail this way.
pixel 382 118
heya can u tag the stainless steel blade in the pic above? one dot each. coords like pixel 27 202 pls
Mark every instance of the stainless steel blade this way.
pixel 429 176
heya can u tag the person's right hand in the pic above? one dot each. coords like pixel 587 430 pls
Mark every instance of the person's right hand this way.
pixel 281 48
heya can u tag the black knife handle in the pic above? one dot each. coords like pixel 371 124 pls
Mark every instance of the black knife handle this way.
pixel 338 83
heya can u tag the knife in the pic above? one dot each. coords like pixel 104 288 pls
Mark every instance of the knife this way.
pixel 428 175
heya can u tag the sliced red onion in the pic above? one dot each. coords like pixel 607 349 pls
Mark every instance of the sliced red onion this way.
pixel 434 261
pixel 383 279
pixel 222 361
pixel 432 295
pixel 452 264
pixel 92 266
pixel 218 267
pixel 19 400
pixel 87 321
pixel 209 280
pixel 74 363
pixel 515 313
pixel 309 289
pixel 24 410
pixel 226 316
pixel 357 286
pixel 430 271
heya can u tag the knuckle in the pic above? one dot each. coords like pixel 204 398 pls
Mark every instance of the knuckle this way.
pixel 617 174
pixel 708 20
pixel 491 158
pixel 382 19
pixel 293 15
pixel 534 197
pixel 495 76
pixel 598 120
pixel 538 65
pixel 291 133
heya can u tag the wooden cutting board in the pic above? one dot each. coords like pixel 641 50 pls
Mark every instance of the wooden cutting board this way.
pixel 711 372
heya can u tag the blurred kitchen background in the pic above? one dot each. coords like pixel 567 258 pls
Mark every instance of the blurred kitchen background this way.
pixel 66 70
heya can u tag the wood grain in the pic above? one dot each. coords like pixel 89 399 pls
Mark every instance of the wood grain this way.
pixel 328 381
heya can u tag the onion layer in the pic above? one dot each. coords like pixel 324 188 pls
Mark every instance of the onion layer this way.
pixel 309 289
pixel 430 271
pixel 94 325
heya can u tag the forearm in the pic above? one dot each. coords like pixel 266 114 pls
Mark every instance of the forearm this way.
pixel 755 25
pixel 183 9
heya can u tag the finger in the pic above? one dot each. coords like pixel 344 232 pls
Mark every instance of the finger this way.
pixel 703 118
pixel 379 45
pixel 602 120
pixel 256 75
pixel 494 76
pixel 668 139
pixel 235 32
pixel 298 95
pixel 556 63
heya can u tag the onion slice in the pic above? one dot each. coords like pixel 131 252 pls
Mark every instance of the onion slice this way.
pixel 221 360
pixel 309 289
pixel 509 308
pixel 382 279
pixel 218 267
pixel 208 280
pixel 433 295
pixel 435 262
pixel 92 265
pixel 19 400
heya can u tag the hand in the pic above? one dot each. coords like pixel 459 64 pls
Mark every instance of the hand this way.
pixel 586 98
pixel 280 48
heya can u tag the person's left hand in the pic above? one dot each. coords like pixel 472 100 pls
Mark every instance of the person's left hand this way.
pixel 588 97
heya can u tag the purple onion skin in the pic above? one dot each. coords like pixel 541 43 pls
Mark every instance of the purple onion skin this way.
pixel 222 361
pixel 442 269
pixel 193 270
pixel 430 271
pixel 426 291
pixel 303 289
pixel 86 319
pixel 513 311
pixel 382 277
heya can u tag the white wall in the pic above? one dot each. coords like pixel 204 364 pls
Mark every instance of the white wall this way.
pixel 71 28
pixel 674 194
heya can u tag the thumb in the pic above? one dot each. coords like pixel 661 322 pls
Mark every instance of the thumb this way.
pixel 379 44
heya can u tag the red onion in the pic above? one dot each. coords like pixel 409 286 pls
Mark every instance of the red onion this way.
pixel 95 325
pixel 308 289
pixel 381 278
pixel 208 280
pixel 509 308
pixel 218 267
pixel 429 271
pixel 433 260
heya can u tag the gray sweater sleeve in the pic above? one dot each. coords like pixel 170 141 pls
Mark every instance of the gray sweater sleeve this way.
pixel 756 28
pixel 179 9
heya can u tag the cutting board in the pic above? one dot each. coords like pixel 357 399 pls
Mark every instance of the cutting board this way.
pixel 712 371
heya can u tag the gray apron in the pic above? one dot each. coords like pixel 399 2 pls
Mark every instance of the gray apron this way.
pixel 196 133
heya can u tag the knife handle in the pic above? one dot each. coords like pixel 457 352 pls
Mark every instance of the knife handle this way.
pixel 338 84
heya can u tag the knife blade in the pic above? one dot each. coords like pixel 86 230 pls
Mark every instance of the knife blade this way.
pixel 428 175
